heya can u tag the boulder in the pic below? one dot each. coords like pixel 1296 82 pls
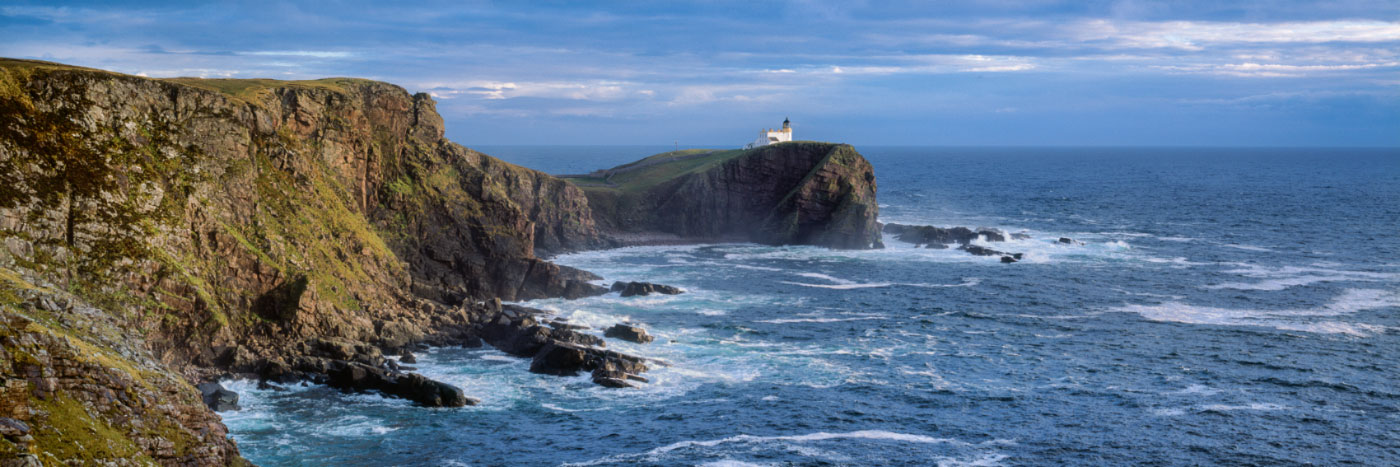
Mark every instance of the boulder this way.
pixel 11 428
pixel 628 333
pixel 981 251
pixel 1070 241
pixel 991 235
pixel 355 376
pixel 556 359
pixel 408 357
pixel 611 379
pixel 217 398
pixel 1008 259
pixel 931 235
pixel 631 289
pixel 984 251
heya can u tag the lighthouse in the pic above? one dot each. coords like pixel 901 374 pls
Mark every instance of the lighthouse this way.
pixel 770 136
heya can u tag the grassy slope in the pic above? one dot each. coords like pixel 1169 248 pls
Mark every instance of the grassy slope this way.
pixel 637 177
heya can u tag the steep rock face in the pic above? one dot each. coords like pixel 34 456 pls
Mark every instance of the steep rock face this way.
pixel 90 395
pixel 222 224
pixel 804 193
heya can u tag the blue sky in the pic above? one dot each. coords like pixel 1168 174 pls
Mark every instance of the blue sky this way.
pixel 1034 72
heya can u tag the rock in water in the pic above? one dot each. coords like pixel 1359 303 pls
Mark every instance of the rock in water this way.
pixel 558 359
pixel 408 357
pixel 217 398
pixel 1008 259
pixel 628 333
pixel 355 376
pixel 612 379
pixel 631 289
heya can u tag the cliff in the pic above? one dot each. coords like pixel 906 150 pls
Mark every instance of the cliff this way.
pixel 247 226
pixel 799 193
pixel 162 232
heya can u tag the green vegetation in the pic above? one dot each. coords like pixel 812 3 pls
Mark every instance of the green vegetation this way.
pixel 641 175
pixel 253 90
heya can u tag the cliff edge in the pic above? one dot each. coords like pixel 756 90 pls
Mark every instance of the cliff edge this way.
pixel 798 193
pixel 158 232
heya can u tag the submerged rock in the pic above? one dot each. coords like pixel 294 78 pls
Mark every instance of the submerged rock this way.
pixel 632 289
pixel 628 333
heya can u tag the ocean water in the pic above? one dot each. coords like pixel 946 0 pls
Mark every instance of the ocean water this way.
pixel 1227 306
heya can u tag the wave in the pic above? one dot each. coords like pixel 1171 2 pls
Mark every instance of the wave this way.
pixel 872 435
pixel 1350 301
pixel 1239 246
pixel 816 320
pixel 844 284
pixel 841 286
pixel 1292 276
pixel 1217 408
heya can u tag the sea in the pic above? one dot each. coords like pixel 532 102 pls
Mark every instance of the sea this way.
pixel 1235 306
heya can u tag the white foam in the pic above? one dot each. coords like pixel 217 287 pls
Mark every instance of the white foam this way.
pixel 1350 301
pixel 732 463
pixel 841 286
pixel 984 460
pixel 1177 239
pixel 1280 278
pixel 1197 389
pixel 756 268
pixel 816 320
pixel 1244 247
pixel 877 435
pixel 1251 406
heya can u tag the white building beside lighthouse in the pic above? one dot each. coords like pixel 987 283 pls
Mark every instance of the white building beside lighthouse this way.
pixel 771 136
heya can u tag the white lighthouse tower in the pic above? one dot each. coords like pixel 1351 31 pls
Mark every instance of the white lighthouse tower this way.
pixel 771 136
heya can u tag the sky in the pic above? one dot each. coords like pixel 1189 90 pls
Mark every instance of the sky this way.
pixel 712 73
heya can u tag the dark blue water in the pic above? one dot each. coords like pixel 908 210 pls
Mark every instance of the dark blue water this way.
pixel 1236 306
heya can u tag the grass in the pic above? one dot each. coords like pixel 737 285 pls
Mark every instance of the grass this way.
pixel 636 177
pixel 249 90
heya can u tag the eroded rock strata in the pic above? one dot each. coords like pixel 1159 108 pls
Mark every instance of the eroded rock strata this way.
pixel 162 233
pixel 799 193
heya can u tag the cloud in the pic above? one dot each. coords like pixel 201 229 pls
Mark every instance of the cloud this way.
pixel 1197 35
pixel 1272 70
pixel 598 90
pixel 299 53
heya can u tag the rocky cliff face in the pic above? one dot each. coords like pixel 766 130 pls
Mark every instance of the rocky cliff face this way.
pixel 240 225
pixel 157 233
pixel 803 193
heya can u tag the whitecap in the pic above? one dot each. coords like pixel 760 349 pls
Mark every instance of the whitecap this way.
pixel 816 320
pixel 1239 246
pixel 875 435
pixel 1196 389
pixel 1350 301
pixel 841 286
pixel 1258 406
pixel 1279 278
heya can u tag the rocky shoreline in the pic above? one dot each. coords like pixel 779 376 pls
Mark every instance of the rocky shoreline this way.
pixel 291 231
